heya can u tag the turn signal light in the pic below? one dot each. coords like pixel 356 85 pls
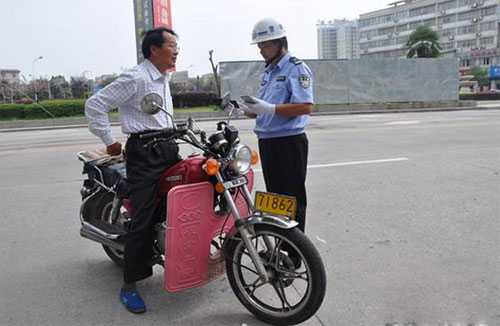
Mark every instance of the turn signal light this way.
pixel 255 157
pixel 211 166
pixel 219 187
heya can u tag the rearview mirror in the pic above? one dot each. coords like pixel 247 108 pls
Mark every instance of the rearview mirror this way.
pixel 152 103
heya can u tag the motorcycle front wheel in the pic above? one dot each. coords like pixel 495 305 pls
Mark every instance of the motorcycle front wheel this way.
pixel 297 278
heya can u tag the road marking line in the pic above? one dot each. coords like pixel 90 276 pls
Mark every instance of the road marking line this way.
pixel 320 166
pixel 488 105
pixel 408 122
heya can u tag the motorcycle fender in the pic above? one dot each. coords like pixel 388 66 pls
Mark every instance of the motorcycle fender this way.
pixel 280 222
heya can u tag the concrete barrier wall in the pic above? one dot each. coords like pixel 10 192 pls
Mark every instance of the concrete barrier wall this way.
pixel 360 81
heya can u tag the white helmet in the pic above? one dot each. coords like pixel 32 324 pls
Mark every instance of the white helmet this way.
pixel 267 29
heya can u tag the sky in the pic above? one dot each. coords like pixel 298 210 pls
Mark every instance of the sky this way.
pixel 95 37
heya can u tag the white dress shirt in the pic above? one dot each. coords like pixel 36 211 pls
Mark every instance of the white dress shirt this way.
pixel 126 93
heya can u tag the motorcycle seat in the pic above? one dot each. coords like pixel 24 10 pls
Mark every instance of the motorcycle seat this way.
pixel 99 157
pixel 110 170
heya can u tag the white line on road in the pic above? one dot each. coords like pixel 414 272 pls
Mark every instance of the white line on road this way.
pixel 320 166
pixel 408 122
pixel 492 104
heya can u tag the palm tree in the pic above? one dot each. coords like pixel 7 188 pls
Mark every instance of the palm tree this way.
pixel 423 43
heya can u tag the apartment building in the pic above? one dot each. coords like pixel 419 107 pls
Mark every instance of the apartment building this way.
pixel 10 75
pixel 338 39
pixel 468 29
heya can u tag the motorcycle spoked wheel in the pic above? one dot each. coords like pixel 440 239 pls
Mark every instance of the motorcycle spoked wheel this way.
pixel 292 294
pixel 101 208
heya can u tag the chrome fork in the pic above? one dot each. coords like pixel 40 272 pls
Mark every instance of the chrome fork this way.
pixel 248 199
pixel 244 232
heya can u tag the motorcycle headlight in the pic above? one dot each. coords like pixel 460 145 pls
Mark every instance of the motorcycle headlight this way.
pixel 241 159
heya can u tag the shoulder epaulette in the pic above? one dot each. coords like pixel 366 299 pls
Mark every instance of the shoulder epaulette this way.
pixel 295 60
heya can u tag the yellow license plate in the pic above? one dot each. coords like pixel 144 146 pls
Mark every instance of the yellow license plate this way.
pixel 276 204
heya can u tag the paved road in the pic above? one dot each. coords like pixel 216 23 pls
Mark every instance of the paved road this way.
pixel 404 209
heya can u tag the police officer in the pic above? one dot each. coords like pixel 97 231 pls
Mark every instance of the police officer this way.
pixel 282 109
pixel 144 161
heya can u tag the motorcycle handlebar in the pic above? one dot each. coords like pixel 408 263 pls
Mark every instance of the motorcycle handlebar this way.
pixel 181 129
pixel 163 132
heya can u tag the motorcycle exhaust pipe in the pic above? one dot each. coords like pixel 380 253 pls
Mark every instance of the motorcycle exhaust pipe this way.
pixel 88 233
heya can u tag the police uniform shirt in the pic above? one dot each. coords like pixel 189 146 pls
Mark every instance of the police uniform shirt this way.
pixel 126 93
pixel 289 81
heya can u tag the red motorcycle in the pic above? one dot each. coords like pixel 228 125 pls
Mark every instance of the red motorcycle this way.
pixel 211 224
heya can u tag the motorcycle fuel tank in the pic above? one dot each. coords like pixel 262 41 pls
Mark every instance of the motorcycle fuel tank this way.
pixel 184 172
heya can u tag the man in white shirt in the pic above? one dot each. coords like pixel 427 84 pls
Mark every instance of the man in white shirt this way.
pixel 145 163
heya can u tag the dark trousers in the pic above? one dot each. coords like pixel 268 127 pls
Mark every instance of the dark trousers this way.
pixel 145 164
pixel 284 164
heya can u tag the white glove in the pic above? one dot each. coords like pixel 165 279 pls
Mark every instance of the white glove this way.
pixel 260 107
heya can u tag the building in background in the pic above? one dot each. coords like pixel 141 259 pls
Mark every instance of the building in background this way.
pixel 338 39
pixel 468 29
pixel 150 14
pixel 11 76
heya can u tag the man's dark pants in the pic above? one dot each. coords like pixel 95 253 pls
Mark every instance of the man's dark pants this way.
pixel 145 164
pixel 284 164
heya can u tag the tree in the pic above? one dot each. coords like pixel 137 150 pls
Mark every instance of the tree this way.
pixel 481 76
pixel 3 91
pixel 214 70
pixel 59 87
pixel 423 43
pixel 206 83
pixel 78 87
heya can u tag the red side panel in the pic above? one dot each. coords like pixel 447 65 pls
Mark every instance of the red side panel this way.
pixel 191 225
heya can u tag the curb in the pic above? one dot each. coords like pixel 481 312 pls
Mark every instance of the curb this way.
pixel 320 113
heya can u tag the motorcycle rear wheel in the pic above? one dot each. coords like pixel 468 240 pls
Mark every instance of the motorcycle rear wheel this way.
pixel 101 209
pixel 292 294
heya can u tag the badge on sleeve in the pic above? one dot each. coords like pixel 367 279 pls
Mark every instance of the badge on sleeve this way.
pixel 305 81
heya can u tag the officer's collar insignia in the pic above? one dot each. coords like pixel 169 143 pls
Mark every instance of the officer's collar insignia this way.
pixel 305 81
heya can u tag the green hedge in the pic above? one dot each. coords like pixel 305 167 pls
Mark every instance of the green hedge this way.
pixel 59 108
pixel 480 97
pixel 190 100
pixel 69 108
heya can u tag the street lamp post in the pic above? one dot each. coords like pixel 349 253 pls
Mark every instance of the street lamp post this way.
pixel 33 76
